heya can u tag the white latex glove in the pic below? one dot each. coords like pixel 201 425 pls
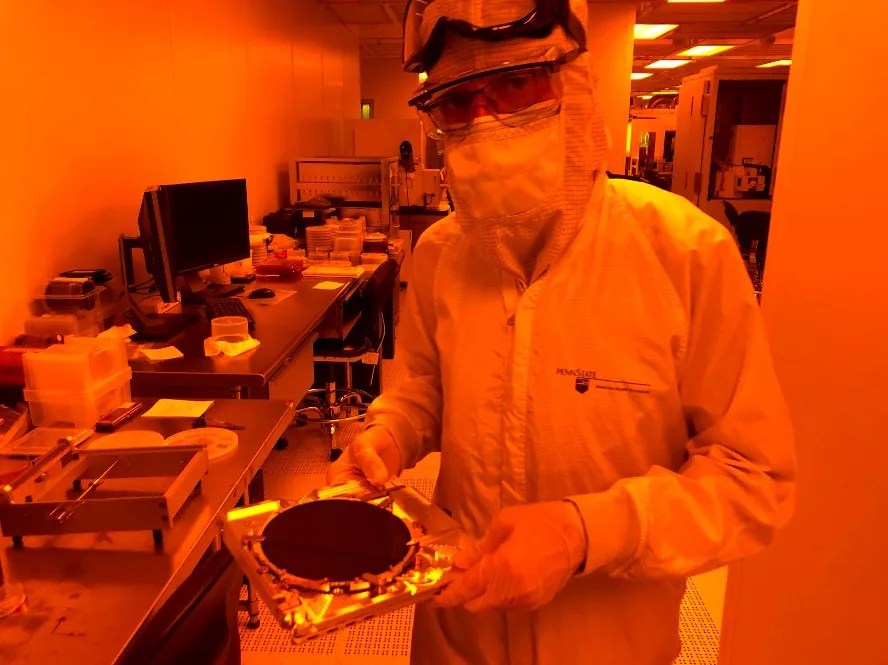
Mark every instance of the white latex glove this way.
pixel 527 556
pixel 372 456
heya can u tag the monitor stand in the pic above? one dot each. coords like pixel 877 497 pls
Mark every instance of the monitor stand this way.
pixel 195 292
pixel 156 327
pixel 160 327
pixel 149 327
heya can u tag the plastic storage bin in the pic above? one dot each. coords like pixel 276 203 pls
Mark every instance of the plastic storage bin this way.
pixel 55 301
pixel 84 323
pixel 373 259
pixel 375 243
pixel 77 365
pixel 78 408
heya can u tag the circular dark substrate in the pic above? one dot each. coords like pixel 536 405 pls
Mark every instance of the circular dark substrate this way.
pixel 337 540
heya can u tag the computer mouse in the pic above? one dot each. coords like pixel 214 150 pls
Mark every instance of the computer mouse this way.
pixel 261 293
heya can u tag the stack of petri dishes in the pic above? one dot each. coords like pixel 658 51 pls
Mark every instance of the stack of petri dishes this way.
pixel 318 240
pixel 259 244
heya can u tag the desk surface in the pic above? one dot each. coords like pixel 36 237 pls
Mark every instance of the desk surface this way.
pixel 281 329
pixel 88 594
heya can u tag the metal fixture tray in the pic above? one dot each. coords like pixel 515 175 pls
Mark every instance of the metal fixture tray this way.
pixel 78 491
pixel 310 608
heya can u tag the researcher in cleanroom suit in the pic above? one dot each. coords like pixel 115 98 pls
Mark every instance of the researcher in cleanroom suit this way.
pixel 587 355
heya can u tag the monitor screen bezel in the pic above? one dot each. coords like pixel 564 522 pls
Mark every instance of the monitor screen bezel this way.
pixel 170 230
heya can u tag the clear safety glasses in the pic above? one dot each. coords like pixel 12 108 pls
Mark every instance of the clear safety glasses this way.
pixel 512 98
pixel 532 18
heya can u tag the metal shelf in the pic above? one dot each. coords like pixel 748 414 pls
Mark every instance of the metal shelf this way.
pixel 339 182
pixel 325 176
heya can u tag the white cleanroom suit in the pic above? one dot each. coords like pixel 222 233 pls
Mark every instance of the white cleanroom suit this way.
pixel 599 342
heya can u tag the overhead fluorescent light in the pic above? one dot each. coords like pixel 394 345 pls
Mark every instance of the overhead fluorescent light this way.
pixel 640 76
pixel 653 30
pixel 665 92
pixel 776 63
pixel 667 64
pixel 704 50
pixel 647 97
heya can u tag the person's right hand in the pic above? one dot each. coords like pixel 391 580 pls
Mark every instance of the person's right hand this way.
pixel 372 456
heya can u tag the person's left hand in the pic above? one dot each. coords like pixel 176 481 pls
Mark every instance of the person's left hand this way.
pixel 527 556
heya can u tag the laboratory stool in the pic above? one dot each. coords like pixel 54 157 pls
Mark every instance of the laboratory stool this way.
pixel 333 405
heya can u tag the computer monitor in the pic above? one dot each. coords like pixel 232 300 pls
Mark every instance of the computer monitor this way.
pixel 152 240
pixel 184 228
pixel 189 227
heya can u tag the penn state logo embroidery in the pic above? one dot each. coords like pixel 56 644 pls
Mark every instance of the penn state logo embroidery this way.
pixel 584 379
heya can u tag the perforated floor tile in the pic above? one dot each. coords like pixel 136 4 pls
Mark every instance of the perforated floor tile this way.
pixel 388 635
pixel 699 635
pixel 425 486
pixel 271 638
pixel 308 450
pixel 383 639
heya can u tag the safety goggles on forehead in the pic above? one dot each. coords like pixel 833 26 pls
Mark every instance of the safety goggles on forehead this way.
pixel 421 54
pixel 511 98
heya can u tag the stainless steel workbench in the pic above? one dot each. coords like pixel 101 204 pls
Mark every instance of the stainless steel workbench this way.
pixel 286 331
pixel 89 594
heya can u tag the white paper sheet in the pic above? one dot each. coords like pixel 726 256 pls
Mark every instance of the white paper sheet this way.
pixel 328 286
pixel 177 408
pixel 165 353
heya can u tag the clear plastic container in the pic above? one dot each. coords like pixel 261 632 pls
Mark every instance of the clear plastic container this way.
pixel 77 365
pixel 373 259
pixel 84 323
pixel 78 408
pixel 55 302
pixel 375 243
pixel 230 329
pixel 41 440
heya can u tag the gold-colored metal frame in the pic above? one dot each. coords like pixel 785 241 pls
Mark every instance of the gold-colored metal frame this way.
pixel 309 608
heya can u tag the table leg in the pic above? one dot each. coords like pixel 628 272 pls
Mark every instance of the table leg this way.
pixel 252 597
pixel 253 621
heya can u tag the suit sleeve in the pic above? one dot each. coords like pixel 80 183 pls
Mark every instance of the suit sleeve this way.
pixel 737 486
pixel 412 412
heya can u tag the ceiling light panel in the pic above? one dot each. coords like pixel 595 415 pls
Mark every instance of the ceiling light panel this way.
pixel 705 50
pixel 640 76
pixel 667 64
pixel 776 63
pixel 645 31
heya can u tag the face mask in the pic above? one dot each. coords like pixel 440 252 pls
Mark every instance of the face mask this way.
pixel 507 171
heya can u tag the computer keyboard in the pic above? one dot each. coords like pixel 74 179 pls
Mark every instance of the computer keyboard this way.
pixel 217 307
